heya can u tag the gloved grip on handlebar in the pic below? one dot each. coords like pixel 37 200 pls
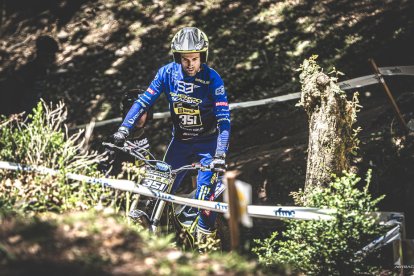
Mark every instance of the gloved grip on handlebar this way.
pixel 219 170
pixel 207 168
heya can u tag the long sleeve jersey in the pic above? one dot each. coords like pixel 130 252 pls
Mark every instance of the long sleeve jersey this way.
pixel 198 104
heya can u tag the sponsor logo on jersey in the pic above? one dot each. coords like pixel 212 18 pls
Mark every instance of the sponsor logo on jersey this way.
pixel 227 114
pixel 220 90
pixel 156 84
pixel 184 98
pixel 152 92
pixel 142 102
pixel 183 110
pixel 190 134
pixel 202 81
pixel 223 119
pixel 134 118
pixel 222 104
pixel 184 87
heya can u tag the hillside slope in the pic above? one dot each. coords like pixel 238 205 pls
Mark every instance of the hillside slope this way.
pixel 88 52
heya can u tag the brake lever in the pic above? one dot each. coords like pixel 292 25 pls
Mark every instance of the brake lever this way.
pixel 109 145
pixel 105 144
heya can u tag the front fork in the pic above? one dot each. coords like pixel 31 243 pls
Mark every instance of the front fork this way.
pixel 157 213
pixel 159 209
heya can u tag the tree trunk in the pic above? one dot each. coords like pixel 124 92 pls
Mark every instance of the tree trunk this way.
pixel 331 116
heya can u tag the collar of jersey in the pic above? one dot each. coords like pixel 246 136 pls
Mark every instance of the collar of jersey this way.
pixel 189 78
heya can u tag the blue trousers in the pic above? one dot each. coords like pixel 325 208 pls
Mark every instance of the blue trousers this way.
pixel 180 153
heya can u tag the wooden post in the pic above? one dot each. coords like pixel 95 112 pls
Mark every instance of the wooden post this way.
pixel 233 211
pixel 388 92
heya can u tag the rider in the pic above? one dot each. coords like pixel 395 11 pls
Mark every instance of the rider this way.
pixel 200 114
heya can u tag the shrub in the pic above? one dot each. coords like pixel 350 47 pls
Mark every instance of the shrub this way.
pixel 327 247
pixel 42 139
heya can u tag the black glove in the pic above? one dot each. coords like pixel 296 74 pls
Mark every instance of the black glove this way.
pixel 119 137
pixel 218 162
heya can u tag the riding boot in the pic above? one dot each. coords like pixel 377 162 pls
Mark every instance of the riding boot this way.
pixel 207 241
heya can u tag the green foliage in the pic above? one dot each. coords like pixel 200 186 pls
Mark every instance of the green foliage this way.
pixel 42 140
pixel 327 247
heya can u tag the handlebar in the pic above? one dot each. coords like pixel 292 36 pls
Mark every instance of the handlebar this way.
pixel 198 166
pixel 132 150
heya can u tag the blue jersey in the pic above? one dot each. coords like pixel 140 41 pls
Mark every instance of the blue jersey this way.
pixel 198 104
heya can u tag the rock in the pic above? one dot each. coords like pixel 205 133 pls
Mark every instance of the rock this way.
pixel 62 35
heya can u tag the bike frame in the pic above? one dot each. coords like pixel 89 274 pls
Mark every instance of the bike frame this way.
pixel 152 222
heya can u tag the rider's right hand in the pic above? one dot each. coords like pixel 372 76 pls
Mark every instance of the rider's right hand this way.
pixel 119 137
pixel 218 162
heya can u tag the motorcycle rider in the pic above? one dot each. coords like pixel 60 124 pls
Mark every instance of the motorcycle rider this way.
pixel 200 114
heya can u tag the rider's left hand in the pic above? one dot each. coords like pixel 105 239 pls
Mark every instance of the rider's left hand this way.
pixel 119 137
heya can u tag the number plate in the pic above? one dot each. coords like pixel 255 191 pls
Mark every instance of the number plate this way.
pixel 156 180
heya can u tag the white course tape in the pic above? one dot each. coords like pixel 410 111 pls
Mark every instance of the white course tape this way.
pixel 268 212
pixel 373 79
pixel 278 99
pixel 397 70
pixel 358 82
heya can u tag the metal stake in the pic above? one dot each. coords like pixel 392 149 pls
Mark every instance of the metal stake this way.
pixel 388 92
